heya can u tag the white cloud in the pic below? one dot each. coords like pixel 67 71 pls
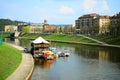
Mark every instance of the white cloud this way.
pixel 89 5
pixel 105 8
pixel 66 10
pixel 97 6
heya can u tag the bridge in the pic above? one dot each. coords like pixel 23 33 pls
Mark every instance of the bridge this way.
pixel 17 33
pixel 12 34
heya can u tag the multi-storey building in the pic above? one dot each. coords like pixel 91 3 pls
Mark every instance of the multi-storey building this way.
pixel 85 23
pixel 102 23
pixel 115 24
pixel 93 24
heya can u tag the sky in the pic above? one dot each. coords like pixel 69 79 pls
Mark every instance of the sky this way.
pixel 55 11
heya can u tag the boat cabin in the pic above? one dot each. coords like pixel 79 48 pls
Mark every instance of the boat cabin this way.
pixel 38 46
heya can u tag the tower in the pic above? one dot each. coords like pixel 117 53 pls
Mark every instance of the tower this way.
pixel 45 21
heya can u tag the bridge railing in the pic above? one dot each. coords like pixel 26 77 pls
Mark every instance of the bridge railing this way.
pixel 3 32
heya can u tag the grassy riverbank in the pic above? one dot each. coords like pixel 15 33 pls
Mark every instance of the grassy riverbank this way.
pixel 115 40
pixel 10 58
pixel 65 37
pixel 60 37
pixel 3 35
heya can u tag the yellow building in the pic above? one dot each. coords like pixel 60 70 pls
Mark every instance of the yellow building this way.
pixel 103 23
pixel 9 28
pixel 36 29
pixel 93 24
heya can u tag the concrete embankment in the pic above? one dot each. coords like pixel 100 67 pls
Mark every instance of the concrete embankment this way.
pixel 26 67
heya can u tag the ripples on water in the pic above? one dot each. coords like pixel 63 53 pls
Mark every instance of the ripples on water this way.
pixel 84 63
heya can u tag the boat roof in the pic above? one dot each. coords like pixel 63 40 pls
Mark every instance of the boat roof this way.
pixel 40 40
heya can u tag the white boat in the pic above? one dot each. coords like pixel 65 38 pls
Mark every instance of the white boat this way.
pixel 65 53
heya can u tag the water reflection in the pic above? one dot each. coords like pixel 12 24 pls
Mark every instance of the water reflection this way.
pixel 84 63
pixel 43 63
pixel 106 54
pixel 17 41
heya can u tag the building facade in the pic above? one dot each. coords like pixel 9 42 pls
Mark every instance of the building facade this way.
pixel 10 28
pixel 36 27
pixel 115 24
pixel 85 23
pixel 103 23
pixel 93 24
pixel 50 29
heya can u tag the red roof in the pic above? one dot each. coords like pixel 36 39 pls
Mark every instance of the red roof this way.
pixel 94 14
pixel 50 27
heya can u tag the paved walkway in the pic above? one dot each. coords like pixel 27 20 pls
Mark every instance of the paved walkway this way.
pixel 101 43
pixel 25 69
pixel 93 39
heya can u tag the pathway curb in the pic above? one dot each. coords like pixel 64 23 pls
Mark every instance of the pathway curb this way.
pixel 25 68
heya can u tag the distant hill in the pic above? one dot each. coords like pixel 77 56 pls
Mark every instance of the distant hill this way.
pixel 4 22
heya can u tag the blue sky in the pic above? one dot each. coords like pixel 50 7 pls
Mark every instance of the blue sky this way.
pixel 55 11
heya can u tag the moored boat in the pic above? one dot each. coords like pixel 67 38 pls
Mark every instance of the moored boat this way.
pixel 64 53
pixel 38 46
pixel 48 55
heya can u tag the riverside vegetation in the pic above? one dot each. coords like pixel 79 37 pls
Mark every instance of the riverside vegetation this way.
pixel 109 39
pixel 115 40
pixel 60 37
pixel 10 59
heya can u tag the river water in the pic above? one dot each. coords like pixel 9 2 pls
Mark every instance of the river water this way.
pixel 84 63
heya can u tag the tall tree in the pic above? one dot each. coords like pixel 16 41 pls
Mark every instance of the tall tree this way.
pixel 26 29
pixel 4 22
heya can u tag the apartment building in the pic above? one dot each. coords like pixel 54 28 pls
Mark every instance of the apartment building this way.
pixel 103 24
pixel 93 24
pixel 115 23
pixel 85 23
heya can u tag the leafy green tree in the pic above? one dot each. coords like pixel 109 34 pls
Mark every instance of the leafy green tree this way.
pixel 4 22
pixel 26 29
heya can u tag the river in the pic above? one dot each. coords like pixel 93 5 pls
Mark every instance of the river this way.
pixel 84 63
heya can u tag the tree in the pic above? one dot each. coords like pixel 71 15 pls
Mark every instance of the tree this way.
pixel 26 29
pixel 60 30
pixel 4 22
pixel 115 28
pixel 118 27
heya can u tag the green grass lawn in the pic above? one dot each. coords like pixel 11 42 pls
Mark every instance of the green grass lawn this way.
pixel 10 59
pixel 61 37
pixel 4 34
pixel 115 40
